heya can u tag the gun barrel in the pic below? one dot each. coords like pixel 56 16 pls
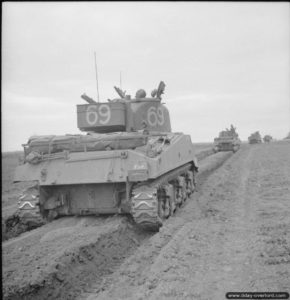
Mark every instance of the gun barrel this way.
pixel 88 99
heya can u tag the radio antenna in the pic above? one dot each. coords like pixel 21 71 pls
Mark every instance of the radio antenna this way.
pixel 97 77
pixel 120 79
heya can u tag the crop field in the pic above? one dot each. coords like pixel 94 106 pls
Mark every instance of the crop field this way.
pixel 232 235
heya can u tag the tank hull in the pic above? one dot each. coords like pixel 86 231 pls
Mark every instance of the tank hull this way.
pixel 226 145
pixel 255 141
pixel 102 182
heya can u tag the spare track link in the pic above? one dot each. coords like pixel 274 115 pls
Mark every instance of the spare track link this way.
pixel 147 198
pixel 28 207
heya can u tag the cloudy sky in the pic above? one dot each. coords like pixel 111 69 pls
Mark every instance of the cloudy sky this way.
pixel 222 63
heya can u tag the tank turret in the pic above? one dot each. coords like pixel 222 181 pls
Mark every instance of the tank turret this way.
pixel 124 113
pixel 267 138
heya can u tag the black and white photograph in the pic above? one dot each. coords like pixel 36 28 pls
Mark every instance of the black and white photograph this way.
pixel 145 150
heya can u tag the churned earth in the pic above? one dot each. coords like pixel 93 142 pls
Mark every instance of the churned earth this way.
pixel 59 259
pixel 233 235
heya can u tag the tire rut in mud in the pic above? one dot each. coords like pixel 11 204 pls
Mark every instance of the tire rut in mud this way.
pixel 211 163
pixel 77 266
pixel 204 153
pixel 136 278
pixel 137 265
pixel 92 261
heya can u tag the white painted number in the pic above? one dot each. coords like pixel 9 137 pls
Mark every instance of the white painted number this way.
pixel 160 116
pixel 101 114
pixel 92 115
pixel 155 116
pixel 152 116
pixel 105 113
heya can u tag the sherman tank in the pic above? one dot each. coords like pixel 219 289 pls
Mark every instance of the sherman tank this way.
pixel 127 162
pixel 228 140
pixel 287 137
pixel 267 138
pixel 255 138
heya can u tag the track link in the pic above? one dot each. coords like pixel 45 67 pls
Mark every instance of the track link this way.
pixel 26 217
pixel 154 202
pixel 28 207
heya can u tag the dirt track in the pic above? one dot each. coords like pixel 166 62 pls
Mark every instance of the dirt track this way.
pixel 234 235
pixel 235 238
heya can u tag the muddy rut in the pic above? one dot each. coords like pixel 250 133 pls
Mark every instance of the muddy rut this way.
pixel 60 259
pixel 233 235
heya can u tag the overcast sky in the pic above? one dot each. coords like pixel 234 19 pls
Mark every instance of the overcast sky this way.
pixel 223 63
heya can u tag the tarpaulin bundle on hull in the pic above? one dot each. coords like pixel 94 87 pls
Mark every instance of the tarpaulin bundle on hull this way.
pixel 91 142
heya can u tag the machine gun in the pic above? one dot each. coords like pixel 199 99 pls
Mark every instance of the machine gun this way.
pixel 160 89
pixel 88 99
pixel 120 92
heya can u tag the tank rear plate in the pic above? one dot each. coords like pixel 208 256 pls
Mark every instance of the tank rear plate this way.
pixel 84 199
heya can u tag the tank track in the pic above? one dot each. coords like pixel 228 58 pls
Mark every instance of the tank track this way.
pixel 154 202
pixel 28 207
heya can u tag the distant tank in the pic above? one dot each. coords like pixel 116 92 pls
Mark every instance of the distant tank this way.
pixel 267 138
pixel 287 137
pixel 129 162
pixel 228 140
pixel 255 138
